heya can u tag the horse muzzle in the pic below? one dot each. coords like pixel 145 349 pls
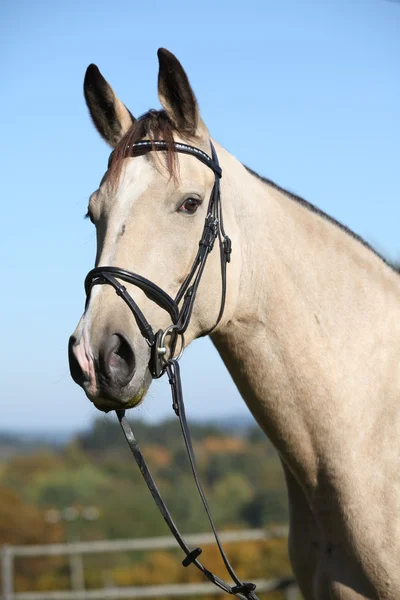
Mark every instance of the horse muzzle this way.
pixel 109 375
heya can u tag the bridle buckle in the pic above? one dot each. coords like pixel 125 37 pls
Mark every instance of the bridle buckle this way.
pixel 210 232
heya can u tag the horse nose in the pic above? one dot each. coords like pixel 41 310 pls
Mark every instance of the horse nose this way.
pixel 116 360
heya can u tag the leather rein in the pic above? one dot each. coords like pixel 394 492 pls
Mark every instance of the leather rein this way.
pixel 180 310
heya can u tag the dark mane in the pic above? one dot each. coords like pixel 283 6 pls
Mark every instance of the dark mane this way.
pixel 153 125
pixel 321 213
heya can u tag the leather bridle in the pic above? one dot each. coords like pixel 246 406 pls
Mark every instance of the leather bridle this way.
pixel 180 310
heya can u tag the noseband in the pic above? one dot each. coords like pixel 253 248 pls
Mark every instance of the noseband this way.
pixel 180 310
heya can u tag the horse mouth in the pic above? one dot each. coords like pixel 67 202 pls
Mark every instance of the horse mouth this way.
pixel 106 398
pixel 106 403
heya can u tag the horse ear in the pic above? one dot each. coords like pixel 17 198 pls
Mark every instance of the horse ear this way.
pixel 176 95
pixel 111 118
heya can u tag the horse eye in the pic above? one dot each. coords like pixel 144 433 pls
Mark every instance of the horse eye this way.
pixel 190 205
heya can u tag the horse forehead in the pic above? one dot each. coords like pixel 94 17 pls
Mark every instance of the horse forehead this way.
pixel 190 167
pixel 150 171
pixel 137 175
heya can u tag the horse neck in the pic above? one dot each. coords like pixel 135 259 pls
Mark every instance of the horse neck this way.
pixel 312 304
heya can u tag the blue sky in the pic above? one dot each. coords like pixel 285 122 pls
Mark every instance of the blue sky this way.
pixel 306 93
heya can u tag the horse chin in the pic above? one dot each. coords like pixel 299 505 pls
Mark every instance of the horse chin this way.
pixel 122 399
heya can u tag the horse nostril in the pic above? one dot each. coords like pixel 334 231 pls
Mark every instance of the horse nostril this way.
pixel 75 368
pixel 124 351
pixel 117 360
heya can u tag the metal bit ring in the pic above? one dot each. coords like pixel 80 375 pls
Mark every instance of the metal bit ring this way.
pixel 162 350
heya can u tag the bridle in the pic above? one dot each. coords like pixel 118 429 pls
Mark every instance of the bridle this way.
pixel 180 310
pixel 180 315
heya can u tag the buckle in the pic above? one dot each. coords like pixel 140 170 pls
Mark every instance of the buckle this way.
pixel 209 232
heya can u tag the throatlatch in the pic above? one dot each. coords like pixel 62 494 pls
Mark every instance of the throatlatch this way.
pixel 180 310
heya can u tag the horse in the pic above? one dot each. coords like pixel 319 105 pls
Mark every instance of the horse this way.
pixel 310 328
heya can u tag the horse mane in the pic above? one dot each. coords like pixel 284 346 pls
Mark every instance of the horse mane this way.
pixel 153 125
pixel 312 208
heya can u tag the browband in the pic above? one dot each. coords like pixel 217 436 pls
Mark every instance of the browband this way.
pixel 145 146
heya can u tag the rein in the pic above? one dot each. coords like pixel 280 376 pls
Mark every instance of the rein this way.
pixel 180 310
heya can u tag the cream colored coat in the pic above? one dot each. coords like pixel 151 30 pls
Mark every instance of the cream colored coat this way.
pixel 310 335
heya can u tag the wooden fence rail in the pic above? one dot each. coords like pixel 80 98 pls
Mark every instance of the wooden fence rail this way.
pixel 76 550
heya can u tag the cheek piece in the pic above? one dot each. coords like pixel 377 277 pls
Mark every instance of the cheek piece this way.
pixel 162 359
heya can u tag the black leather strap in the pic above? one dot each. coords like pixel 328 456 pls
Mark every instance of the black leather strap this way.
pixel 243 590
pixel 174 375
pixel 153 291
pixel 146 474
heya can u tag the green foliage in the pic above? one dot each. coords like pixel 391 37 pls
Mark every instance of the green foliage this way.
pixel 241 475
pixel 105 434
pixel 70 485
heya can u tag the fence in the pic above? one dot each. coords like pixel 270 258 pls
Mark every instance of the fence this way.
pixel 77 549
